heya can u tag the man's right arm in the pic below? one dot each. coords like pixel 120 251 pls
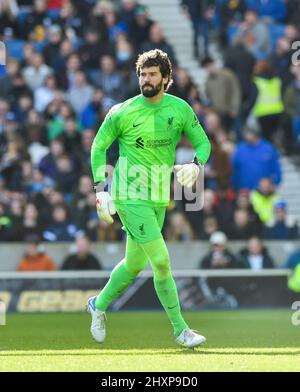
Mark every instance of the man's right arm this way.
pixel 107 133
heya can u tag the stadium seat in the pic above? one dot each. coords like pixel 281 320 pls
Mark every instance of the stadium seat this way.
pixel 15 49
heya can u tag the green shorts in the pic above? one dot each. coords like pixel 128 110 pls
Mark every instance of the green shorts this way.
pixel 142 223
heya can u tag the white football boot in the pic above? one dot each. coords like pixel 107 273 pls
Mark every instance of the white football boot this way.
pixel 98 321
pixel 190 339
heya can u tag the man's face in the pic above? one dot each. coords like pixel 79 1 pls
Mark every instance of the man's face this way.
pixel 151 81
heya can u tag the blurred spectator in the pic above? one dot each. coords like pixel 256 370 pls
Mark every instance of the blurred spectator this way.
pixel 292 32
pixel 36 73
pixel 61 228
pixel 57 113
pixel 209 226
pixel 275 10
pixel 197 218
pixel 292 109
pixel 93 48
pixel 39 182
pixel 82 157
pixel 224 203
pixel 223 90
pixel 48 165
pixel 4 108
pixel 124 53
pixel 230 14
pixel 114 25
pixel 82 258
pixel 35 258
pixel 96 17
pixel 241 228
pixel 254 159
pixel 9 11
pixel 58 62
pixel 215 129
pixel 184 151
pixel 294 280
pixel 31 223
pixel 293 260
pixel 108 78
pixel 243 202
pixel 263 200
pixel 241 63
pixel 256 256
pixel 51 49
pixel 67 78
pixel 6 82
pixel 80 202
pixel 283 227
pixel 23 106
pixel 36 137
pixel 81 93
pixel 218 167
pixel 89 116
pixel 45 94
pixel 268 106
pixel 200 14
pixel 128 10
pixel 254 33
pixel 11 162
pixel 293 9
pixel 70 21
pixel 71 136
pixel 33 25
pixel 280 60
pixel 157 41
pixel 179 228
pixel 139 28
pixel 6 224
pixel 219 256
pixel 54 5
pixel 28 52
pixel 182 84
pixel 66 176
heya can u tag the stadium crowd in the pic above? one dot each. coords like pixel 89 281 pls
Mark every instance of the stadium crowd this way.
pixel 70 61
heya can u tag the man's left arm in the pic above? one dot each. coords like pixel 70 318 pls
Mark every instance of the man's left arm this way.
pixel 196 135
pixel 188 173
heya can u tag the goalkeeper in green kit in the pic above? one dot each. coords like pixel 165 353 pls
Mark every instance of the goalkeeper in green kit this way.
pixel 148 128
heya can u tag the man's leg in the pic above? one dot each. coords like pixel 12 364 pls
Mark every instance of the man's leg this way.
pixel 123 274
pixel 165 287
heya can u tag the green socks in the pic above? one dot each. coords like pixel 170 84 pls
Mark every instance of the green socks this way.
pixel 126 270
pixel 167 293
pixel 119 279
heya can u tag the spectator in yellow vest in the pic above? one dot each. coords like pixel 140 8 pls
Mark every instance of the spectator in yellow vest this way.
pixel 263 200
pixel 268 106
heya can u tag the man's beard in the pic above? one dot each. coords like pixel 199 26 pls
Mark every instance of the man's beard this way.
pixel 151 92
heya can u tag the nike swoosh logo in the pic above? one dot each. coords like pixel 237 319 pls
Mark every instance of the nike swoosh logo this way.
pixel 172 307
pixel 136 125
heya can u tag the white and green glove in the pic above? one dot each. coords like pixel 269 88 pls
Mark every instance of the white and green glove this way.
pixel 105 207
pixel 187 174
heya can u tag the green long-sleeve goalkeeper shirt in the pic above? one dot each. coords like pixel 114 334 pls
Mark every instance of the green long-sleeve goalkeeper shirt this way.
pixel 147 134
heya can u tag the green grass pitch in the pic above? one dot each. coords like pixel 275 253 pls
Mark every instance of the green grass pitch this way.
pixel 142 341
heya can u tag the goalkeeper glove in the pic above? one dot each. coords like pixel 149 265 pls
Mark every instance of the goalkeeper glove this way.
pixel 105 206
pixel 187 174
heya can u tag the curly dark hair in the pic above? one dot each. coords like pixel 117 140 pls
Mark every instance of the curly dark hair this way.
pixel 153 58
